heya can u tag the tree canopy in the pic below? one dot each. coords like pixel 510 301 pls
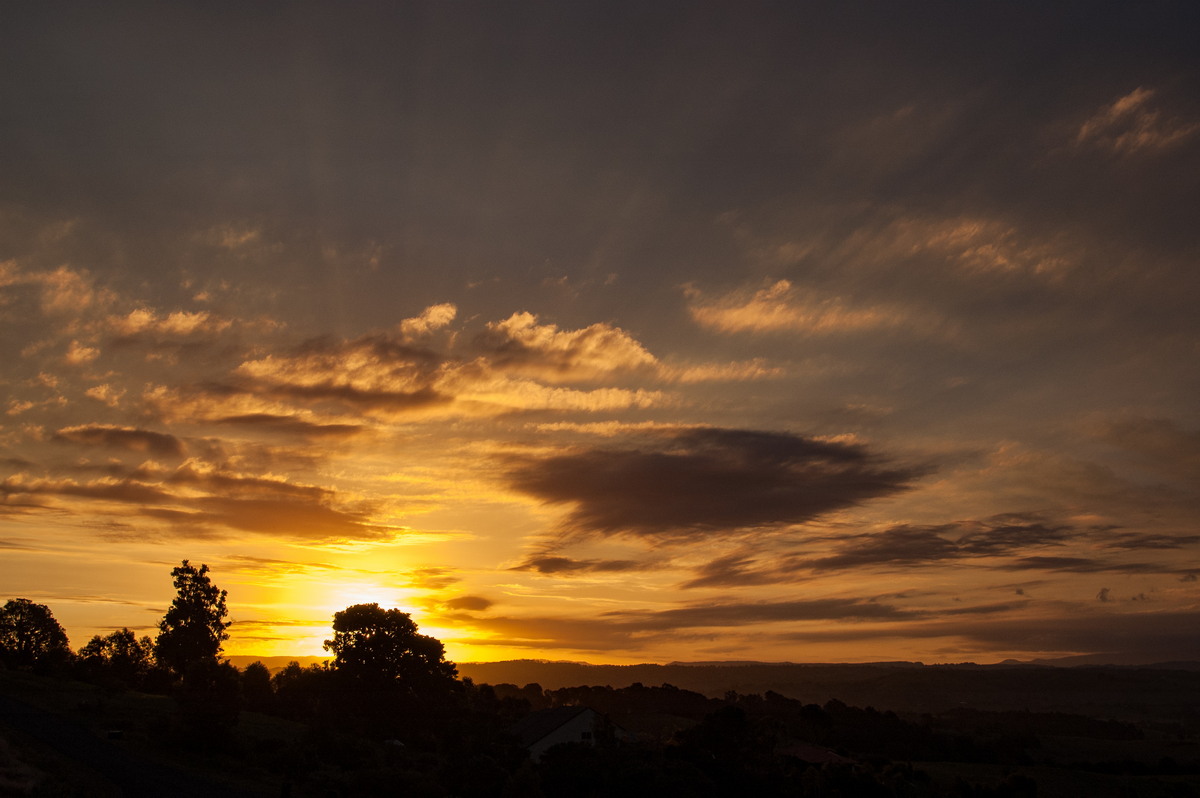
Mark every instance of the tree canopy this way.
pixel 191 632
pixel 121 655
pixel 375 646
pixel 30 636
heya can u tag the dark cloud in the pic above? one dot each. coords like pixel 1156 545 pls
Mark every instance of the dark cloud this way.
pixel 292 425
pixel 21 506
pixel 737 570
pixel 1135 636
pixel 300 520
pixel 374 399
pixel 127 491
pixel 707 481
pixel 241 485
pixel 898 546
pixel 705 615
pixel 984 609
pixel 1136 540
pixel 1083 565
pixel 902 545
pixel 907 545
pixel 271 566
pixel 1008 533
pixel 255 504
pixel 19 545
pixel 469 603
pixel 16 462
pixel 130 439
pixel 565 565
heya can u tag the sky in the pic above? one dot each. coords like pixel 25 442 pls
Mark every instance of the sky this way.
pixel 608 331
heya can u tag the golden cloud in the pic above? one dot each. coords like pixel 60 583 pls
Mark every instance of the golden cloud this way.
pixel 432 318
pixel 146 322
pixel 780 307
pixel 521 345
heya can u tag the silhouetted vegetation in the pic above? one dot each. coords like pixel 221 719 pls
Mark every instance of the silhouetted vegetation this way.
pixel 120 659
pixel 388 715
pixel 30 637
pixel 191 633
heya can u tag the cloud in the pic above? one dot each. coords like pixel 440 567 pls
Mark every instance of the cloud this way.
pixel 551 564
pixel 79 354
pixel 469 603
pixel 737 614
pixel 736 570
pixel 267 566
pixel 292 425
pixel 384 374
pixel 128 438
pixel 105 393
pixel 432 318
pixel 740 371
pixel 1129 125
pixel 707 481
pixel 906 546
pixel 289 518
pixel 1084 565
pixel 199 500
pixel 519 344
pixel 145 324
pixel 108 489
pixel 780 307
pixel 432 578
pixel 68 291
pixel 1136 540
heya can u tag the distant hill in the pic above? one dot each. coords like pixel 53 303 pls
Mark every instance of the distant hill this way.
pixel 1127 693
pixel 1163 691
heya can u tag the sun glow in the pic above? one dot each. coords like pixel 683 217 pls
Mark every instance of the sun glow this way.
pixel 337 598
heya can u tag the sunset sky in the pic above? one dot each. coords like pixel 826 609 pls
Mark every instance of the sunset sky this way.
pixel 608 331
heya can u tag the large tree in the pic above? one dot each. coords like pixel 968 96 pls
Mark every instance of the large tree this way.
pixel 30 636
pixel 191 633
pixel 378 647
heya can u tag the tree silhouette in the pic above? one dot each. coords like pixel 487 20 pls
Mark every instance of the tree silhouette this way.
pixel 256 687
pixel 30 636
pixel 121 656
pixel 378 647
pixel 191 632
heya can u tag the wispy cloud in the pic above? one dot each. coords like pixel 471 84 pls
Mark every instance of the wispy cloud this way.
pixel 553 564
pixel 135 440
pixel 1131 124
pixel 198 500
pixel 1010 542
pixel 781 307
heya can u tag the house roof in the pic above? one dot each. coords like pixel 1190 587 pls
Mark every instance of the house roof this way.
pixel 536 725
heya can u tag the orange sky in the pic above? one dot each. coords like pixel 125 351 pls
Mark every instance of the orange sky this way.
pixel 607 333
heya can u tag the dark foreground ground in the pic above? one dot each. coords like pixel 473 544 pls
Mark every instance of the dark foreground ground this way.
pixel 714 730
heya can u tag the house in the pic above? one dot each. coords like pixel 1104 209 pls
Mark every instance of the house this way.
pixel 540 730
